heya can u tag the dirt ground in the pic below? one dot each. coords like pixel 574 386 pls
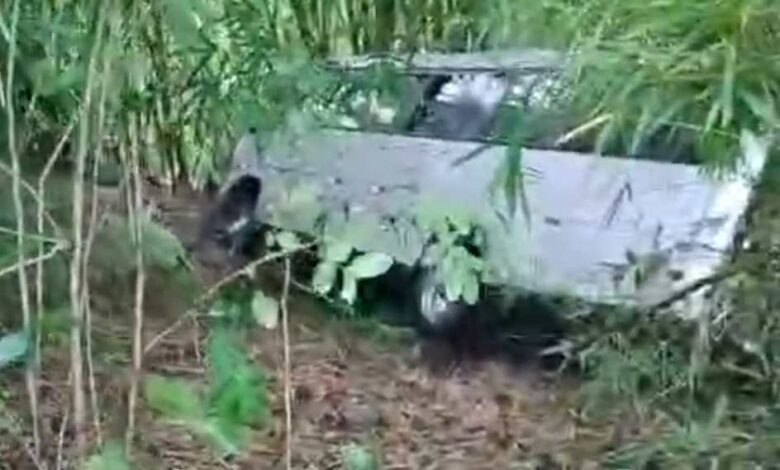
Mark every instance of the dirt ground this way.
pixel 351 389
pixel 349 386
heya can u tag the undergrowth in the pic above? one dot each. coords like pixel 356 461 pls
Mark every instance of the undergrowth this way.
pixel 702 393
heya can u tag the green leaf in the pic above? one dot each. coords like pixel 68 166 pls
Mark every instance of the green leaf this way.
pixel 604 137
pixel 270 239
pixel 712 116
pixel 265 310
pixel 358 458
pixel 436 254
pixel 221 437
pixel 762 108
pixel 337 251
pixel 324 276
pixel 641 129
pixel 510 177
pixel 237 390
pixel 462 221
pixel 471 289
pixel 13 347
pixel 173 398
pixel 288 241
pixel 453 283
pixel 349 286
pixel 370 265
pixel 431 216
pixel 727 90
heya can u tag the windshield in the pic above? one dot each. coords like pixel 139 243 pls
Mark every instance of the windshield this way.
pixel 477 106
pixel 530 107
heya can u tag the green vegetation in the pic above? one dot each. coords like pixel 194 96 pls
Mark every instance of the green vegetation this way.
pixel 117 92
pixel 699 71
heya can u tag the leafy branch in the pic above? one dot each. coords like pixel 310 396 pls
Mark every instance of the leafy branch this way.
pixel 205 299
pixel 454 251
pixel 339 258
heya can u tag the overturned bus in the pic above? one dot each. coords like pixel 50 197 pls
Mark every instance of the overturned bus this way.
pixel 591 223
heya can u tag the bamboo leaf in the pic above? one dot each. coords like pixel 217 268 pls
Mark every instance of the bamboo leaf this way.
pixel 727 92
pixel 762 109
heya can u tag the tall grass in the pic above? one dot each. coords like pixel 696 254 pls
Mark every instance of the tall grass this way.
pixel 698 71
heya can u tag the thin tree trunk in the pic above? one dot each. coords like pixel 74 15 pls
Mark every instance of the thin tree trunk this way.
pixel 156 44
pixel 16 183
pixel 77 307
pixel 136 205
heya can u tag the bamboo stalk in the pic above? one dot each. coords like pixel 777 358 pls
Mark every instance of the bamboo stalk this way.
pixel 77 307
pixel 140 282
pixel 90 240
pixel 287 366
pixel 43 177
pixel 24 293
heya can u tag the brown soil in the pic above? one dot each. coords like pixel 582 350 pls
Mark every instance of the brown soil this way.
pixel 348 387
